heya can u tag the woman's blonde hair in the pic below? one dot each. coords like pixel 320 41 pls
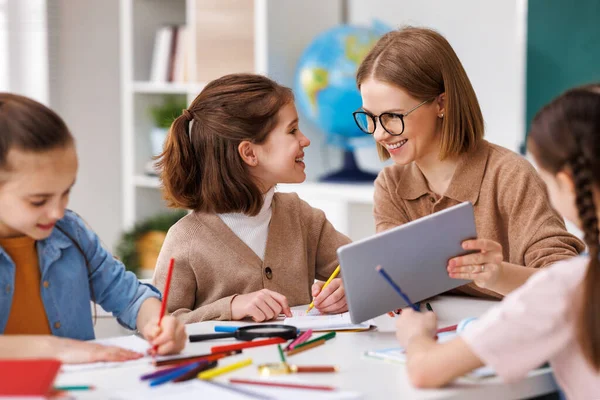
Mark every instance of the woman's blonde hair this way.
pixel 422 62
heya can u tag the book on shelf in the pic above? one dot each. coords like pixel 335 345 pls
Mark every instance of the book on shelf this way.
pixel 169 60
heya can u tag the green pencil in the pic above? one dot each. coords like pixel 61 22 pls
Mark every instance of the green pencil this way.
pixel 70 388
pixel 326 336
pixel 281 353
pixel 429 307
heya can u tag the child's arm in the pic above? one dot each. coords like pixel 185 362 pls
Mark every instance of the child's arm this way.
pixel 430 364
pixel 69 351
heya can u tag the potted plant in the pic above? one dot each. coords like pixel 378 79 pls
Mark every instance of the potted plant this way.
pixel 163 116
pixel 139 247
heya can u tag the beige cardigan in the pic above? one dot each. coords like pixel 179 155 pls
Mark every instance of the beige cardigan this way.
pixel 212 264
pixel 510 203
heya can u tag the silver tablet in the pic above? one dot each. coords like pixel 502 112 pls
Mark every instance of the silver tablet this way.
pixel 415 255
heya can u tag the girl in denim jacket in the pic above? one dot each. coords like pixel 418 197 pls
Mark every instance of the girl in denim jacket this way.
pixel 51 264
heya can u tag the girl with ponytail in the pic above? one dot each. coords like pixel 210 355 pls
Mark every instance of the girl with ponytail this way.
pixel 244 251
pixel 421 108
pixel 555 315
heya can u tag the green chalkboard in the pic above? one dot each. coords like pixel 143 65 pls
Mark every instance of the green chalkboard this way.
pixel 563 48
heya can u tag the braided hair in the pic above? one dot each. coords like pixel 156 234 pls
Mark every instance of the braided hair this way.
pixel 565 136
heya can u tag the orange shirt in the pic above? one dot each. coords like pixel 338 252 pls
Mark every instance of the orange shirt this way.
pixel 27 313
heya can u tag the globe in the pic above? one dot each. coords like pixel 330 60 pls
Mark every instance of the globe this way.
pixel 326 92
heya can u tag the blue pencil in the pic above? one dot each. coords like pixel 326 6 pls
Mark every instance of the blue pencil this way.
pixel 388 278
pixel 225 328
pixel 174 375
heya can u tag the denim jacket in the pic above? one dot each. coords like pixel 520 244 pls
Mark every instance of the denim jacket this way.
pixel 65 281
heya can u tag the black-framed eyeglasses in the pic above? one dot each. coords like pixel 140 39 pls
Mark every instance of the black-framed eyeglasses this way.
pixel 392 123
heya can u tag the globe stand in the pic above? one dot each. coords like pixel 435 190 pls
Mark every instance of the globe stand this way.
pixel 349 173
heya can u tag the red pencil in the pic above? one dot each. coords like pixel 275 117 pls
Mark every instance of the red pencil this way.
pixel 163 305
pixel 447 329
pixel 280 384
pixel 245 345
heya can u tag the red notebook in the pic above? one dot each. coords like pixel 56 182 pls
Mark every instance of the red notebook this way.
pixel 28 377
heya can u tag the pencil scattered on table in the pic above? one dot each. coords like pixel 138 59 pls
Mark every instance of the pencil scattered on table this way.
pixel 211 373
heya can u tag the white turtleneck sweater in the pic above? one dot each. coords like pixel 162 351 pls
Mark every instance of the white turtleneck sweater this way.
pixel 252 230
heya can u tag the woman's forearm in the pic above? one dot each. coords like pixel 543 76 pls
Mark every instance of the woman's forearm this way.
pixel 511 277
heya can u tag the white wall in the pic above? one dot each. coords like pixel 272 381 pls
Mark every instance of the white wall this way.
pixel 84 90
pixel 23 48
pixel 489 37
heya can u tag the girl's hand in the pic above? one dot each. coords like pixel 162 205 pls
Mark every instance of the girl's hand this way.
pixel 332 299
pixel 410 324
pixel 263 305
pixel 484 267
pixel 169 338
pixel 71 351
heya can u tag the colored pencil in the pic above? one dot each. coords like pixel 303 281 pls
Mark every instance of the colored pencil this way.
pixel 280 384
pixel 333 275
pixel 299 349
pixel 389 279
pixel 281 355
pixel 73 388
pixel 211 373
pixel 447 329
pixel 173 375
pixel 326 336
pixel 204 357
pixel 194 373
pixel 225 328
pixel 429 307
pixel 313 368
pixel 300 339
pixel 163 304
pixel 245 345
pixel 164 371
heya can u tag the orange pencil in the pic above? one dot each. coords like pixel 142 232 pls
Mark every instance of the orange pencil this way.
pixel 163 305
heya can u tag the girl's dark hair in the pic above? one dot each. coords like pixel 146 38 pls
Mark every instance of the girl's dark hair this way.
pixel 565 136
pixel 30 126
pixel 201 168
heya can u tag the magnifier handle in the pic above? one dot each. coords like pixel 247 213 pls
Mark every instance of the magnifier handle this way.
pixel 211 336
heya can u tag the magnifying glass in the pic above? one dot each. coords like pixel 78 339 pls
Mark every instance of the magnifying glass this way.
pixel 251 332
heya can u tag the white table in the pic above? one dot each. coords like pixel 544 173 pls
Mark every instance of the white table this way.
pixel 373 378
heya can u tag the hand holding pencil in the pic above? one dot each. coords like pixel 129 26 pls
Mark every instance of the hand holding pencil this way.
pixel 165 333
pixel 329 297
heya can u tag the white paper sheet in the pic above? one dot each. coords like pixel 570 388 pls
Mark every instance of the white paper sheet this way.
pixel 131 342
pixel 324 322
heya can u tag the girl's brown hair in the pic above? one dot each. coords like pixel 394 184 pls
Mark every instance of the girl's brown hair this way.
pixel 422 62
pixel 28 125
pixel 201 168
pixel 565 136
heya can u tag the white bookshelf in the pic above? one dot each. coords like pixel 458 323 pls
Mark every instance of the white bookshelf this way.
pixel 270 35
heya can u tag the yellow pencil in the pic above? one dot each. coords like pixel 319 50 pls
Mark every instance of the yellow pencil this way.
pixel 211 373
pixel 335 273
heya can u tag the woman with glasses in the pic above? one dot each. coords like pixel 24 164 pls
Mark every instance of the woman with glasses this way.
pixel 419 105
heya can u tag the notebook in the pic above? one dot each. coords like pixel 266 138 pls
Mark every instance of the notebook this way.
pixel 325 322
pixel 33 377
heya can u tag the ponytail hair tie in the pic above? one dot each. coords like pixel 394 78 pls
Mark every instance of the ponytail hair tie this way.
pixel 187 114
